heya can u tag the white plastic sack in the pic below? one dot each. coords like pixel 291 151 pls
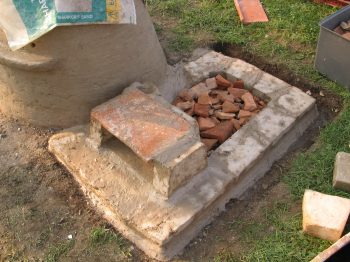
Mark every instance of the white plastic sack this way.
pixel 23 21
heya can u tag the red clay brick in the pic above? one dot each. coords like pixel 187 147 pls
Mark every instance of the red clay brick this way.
pixel 190 112
pixel 237 92
pixel 221 132
pixel 221 81
pixel 228 107
pixel 224 116
pixel 217 106
pixel 226 97
pixel 141 122
pixel 249 103
pixel 219 92
pixel 244 113
pixel 236 124
pixel 186 94
pixel 214 100
pixel 205 123
pixel 211 83
pixel 184 105
pixel 204 99
pixel 199 89
pixel 238 84
pixel 201 110
pixel 242 121
pixel 215 120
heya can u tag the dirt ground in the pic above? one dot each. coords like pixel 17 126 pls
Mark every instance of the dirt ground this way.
pixel 41 205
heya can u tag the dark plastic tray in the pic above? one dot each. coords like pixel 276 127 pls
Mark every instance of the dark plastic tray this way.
pixel 333 51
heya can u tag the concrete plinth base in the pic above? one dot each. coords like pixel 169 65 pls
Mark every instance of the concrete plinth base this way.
pixel 162 227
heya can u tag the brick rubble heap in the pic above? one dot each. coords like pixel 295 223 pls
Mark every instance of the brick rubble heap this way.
pixel 220 108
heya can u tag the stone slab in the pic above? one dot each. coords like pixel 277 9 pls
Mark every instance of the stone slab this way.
pixel 324 216
pixel 161 226
pixel 341 174
pixel 141 122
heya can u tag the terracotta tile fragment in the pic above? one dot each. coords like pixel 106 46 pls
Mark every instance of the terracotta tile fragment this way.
pixel 217 107
pixel 238 84
pixel 209 143
pixel 262 103
pixel 236 124
pixel 211 83
pixel 244 113
pixel 186 94
pixel 205 123
pixel 346 35
pixel 199 89
pixel 185 105
pixel 215 120
pixel 249 103
pixel 238 100
pixel 226 97
pixel 190 111
pixel 250 11
pixel 224 116
pixel 204 99
pixel 219 92
pixel 201 110
pixel 177 100
pixel 237 92
pixel 222 82
pixel 214 100
pixel 243 121
pixel 339 30
pixel 228 107
pixel 144 133
pixel 221 132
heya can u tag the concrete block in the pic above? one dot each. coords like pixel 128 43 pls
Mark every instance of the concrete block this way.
pixel 163 226
pixel 159 134
pixel 295 102
pixel 242 70
pixel 271 125
pixel 324 216
pixel 171 175
pixel 341 174
pixel 209 63
pixel 270 85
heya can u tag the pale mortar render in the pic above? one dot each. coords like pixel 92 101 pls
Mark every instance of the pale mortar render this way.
pixel 70 6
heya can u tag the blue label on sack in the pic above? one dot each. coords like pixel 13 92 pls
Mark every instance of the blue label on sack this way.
pixel 41 15
pixel 37 15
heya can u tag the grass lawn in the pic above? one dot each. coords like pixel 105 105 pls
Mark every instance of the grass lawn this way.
pixel 288 40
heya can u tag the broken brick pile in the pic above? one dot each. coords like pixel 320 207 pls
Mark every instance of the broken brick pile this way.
pixel 220 107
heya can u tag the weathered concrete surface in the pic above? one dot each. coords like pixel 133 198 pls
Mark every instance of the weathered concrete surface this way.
pixel 73 69
pixel 324 216
pixel 341 174
pixel 156 132
pixel 163 227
